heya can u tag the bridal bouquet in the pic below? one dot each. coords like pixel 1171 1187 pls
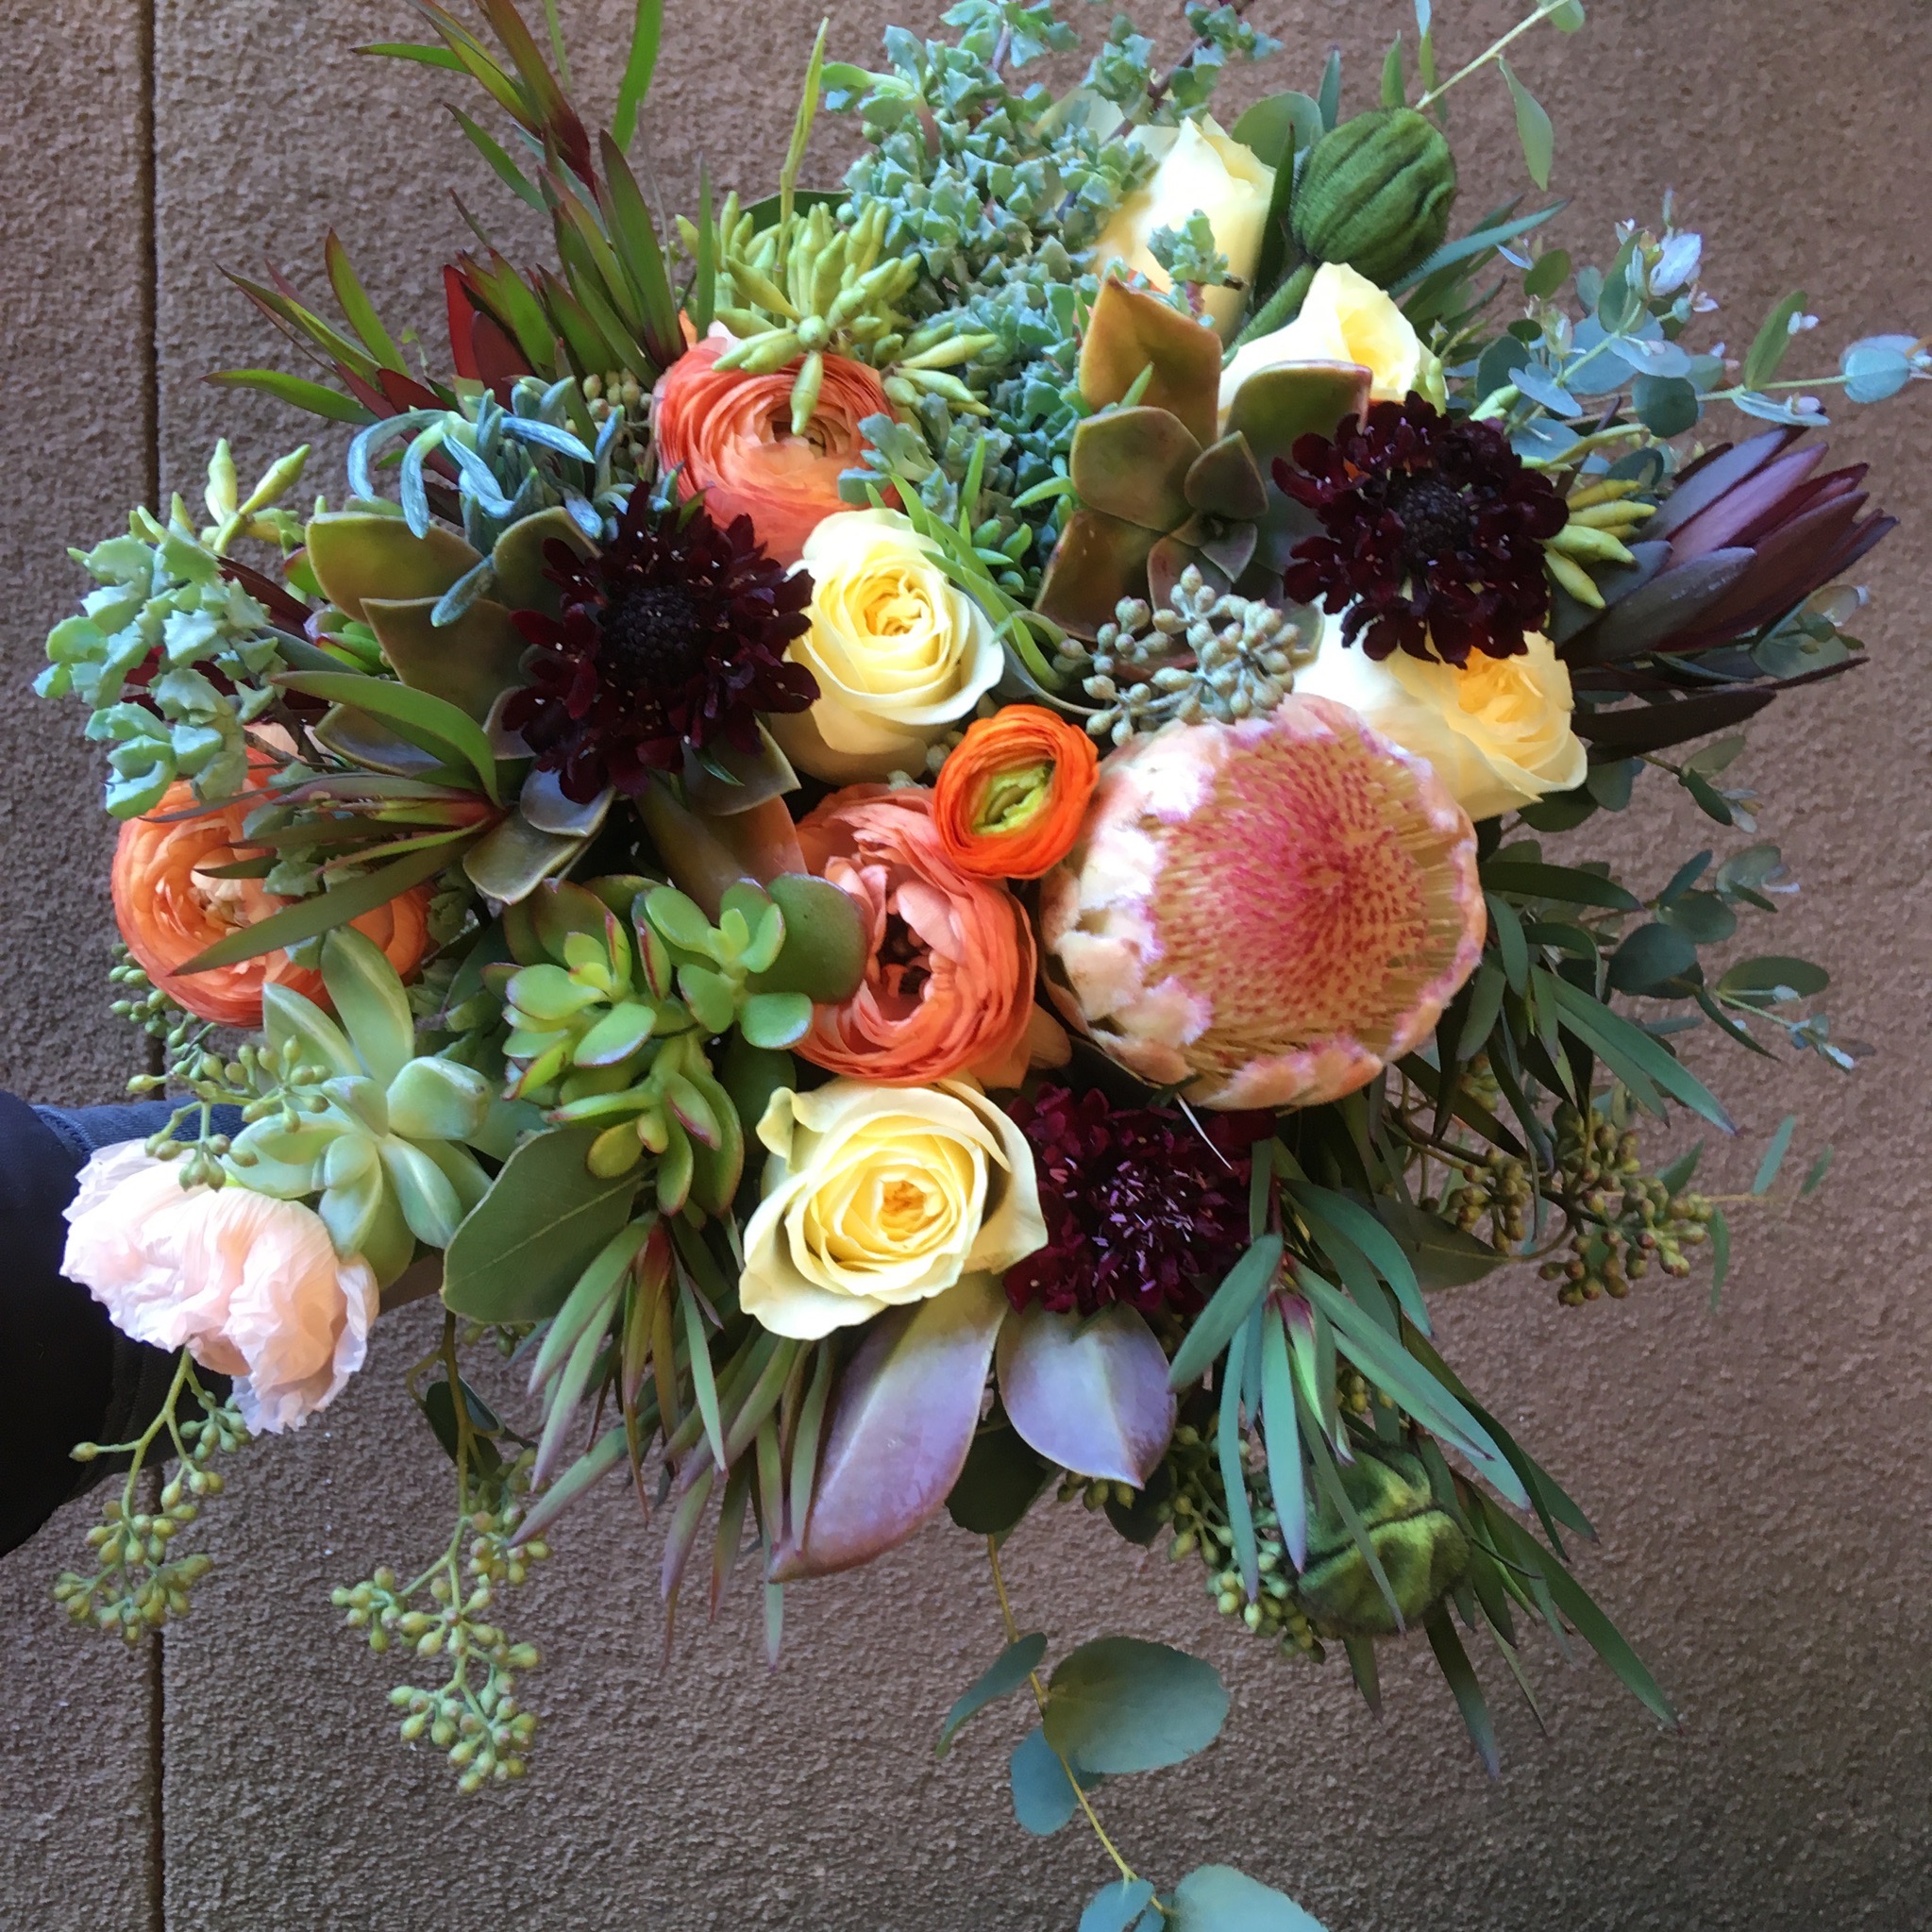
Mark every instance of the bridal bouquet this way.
pixel 926 842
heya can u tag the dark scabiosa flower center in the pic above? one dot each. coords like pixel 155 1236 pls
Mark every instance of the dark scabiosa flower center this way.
pixel 669 641
pixel 651 641
pixel 1435 518
pixel 1432 533
pixel 1140 1205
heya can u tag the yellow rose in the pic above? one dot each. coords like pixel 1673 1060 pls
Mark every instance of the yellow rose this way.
pixel 876 1197
pixel 1345 318
pixel 900 652
pixel 1199 169
pixel 1497 733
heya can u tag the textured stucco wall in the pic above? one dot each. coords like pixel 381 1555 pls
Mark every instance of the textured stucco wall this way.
pixel 1759 1474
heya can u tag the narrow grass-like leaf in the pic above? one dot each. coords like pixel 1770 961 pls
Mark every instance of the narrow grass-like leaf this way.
pixel 1628 1050
pixel 702 1384
pixel 1228 1445
pixel 1216 1324
pixel 1282 1437
pixel 1461 1677
pixel 1355 1225
pixel 1768 346
pixel 408 710
pixel 1720 1254
pixel 313 397
pixel 500 164
pixel 1774 1155
pixel 598 1462
pixel 633 90
pixel 306 918
pixel 1819 1169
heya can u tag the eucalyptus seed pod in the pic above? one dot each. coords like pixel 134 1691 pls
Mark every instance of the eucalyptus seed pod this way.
pixel 1422 1550
pixel 1376 193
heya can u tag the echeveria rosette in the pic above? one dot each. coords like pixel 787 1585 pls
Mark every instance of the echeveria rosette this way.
pixel 377 1135
pixel 1161 487
pixel 1264 913
pixel 669 646
pixel 1432 533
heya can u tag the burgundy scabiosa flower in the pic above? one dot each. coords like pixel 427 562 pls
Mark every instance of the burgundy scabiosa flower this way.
pixel 1433 533
pixel 1137 1204
pixel 672 637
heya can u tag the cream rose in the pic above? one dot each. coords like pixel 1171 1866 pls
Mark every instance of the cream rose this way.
pixel 1344 318
pixel 880 1196
pixel 1497 733
pixel 900 652
pixel 1199 169
pixel 251 1287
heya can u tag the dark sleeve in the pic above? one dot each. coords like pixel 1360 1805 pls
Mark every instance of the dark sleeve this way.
pixel 70 1376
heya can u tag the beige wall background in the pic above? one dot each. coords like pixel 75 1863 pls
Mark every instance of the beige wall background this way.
pixel 1759 1474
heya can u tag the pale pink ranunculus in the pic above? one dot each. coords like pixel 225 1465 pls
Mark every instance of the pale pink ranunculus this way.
pixel 251 1287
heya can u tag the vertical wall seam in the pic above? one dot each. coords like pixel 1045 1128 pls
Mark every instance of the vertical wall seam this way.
pixel 146 173
pixel 147 164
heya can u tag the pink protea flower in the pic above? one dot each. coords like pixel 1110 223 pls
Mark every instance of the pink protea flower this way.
pixel 1263 914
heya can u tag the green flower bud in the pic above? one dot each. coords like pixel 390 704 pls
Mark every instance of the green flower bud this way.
pixel 1376 193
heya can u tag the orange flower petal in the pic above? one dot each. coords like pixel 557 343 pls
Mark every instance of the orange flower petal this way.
pixel 168 909
pixel 950 981
pixel 732 434
pixel 1049 767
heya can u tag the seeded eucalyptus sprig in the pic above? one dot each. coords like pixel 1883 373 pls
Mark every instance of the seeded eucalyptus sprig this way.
pixel 142 1583
pixel 474 1716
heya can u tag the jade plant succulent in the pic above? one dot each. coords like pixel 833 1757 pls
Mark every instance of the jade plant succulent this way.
pixel 613 986
pixel 1163 481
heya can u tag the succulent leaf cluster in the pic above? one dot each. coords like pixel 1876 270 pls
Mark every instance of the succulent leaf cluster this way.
pixel 172 653
pixel 370 1129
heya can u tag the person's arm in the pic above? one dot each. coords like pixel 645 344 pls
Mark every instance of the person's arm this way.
pixel 71 1376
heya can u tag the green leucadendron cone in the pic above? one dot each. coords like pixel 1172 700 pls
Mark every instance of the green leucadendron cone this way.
pixel 1376 192
pixel 1422 1550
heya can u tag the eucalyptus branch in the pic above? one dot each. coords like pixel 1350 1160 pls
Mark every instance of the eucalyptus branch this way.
pixel 1128 1874
pixel 1546 11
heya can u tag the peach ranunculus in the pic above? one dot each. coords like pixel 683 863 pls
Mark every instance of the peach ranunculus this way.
pixel 169 909
pixel 251 1287
pixel 732 434
pixel 948 985
pixel 1011 795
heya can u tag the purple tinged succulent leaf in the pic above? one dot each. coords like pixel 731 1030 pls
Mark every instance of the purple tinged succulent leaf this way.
pixel 901 1422
pixel 1134 465
pixel 1274 407
pixel 357 553
pixel 1130 331
pixel 1224 480
pixel 1092 1395
pixel 1098 561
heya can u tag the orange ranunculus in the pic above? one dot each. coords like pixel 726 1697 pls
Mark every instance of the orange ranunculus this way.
pixel 1009 798
pixel 169 909
pixel 732 433
pixel 948 985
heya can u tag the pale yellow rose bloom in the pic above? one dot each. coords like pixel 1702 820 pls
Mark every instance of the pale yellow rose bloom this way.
pixel 902 654
pixel 1200 169
pixel 876 1197
pixel 251 1287
pixel 1346 318
pixel 1497 734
